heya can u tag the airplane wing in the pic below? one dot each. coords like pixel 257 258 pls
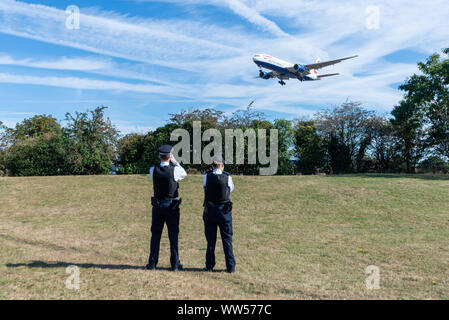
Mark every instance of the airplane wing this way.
pixel 320 65
pixel 323 76
pixel 328 75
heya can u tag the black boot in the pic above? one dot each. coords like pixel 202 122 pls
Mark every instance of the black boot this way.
pixel 150 267
pixel 177 268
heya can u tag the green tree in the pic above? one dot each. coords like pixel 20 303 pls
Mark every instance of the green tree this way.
pixel 2 130
pixel 134 153
pixel 339 155
pixel 32 142
pixel 310 147
pixel 286 144
pixel 3 135
pixel 383 148
pixel 3 155
pixel 409 129
pixel 94 139
pixel 244 118
pixel 429 94
pixel 211 116
pixel 41 155
pixel 32 127
pixel 2 150
pixel 138 152
pixel 347 128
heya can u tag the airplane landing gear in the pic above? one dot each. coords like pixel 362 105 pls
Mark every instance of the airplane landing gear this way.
pixel 282 83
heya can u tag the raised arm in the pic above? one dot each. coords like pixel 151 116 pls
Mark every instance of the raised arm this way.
pixel 179 172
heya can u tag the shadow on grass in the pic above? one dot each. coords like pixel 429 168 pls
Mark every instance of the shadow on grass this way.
pixel 396 176
pixel 38 243
pixel 60 264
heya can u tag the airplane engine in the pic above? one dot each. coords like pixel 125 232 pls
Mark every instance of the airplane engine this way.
pixel 299 68
pixel 264 75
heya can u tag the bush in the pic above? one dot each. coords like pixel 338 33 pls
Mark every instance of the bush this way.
pixel 135 152
pixel 2 162
pixel 48 154
pixel 434 165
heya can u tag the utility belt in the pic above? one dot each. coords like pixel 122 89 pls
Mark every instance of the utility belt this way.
pixel 227 205
pixel 174 203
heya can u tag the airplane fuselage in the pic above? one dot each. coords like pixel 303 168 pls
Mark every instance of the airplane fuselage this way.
pixel 282 68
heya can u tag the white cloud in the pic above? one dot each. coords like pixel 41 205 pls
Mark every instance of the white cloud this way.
pixel 64 63
pixel 254 17
pixel 139 40
pixel 238 7
pixel 81 83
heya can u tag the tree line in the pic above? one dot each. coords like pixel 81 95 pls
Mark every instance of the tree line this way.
pixel 348 138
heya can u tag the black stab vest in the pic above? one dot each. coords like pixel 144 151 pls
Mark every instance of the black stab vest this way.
pixel 217 189
pixel 164 184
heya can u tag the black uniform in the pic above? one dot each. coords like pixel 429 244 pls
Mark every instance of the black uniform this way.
pixel 218 213
pixel 165 211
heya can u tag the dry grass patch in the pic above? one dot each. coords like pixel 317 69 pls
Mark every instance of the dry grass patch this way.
pixel 296 237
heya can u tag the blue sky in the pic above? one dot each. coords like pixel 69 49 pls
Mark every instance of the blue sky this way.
pixel 145 59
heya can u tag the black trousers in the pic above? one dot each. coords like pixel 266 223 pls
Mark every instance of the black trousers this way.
pixel 164 214
pixel 217 217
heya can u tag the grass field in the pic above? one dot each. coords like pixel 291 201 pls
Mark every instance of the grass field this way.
pixel 296 237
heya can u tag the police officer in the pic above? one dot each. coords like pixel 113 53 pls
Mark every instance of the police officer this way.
pixel 218 186
pixel 165 206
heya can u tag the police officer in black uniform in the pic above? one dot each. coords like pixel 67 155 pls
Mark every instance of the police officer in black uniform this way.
pixel 218 186
pixel 165 206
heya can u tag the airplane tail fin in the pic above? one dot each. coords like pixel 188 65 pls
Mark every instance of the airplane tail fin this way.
pixel 318 60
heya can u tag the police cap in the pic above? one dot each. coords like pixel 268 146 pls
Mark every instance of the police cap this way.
pixel 165 150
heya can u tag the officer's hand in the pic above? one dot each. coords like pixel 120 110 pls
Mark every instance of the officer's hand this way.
pixel 172 159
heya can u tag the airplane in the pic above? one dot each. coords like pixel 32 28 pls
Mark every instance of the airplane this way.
pixel 284 70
